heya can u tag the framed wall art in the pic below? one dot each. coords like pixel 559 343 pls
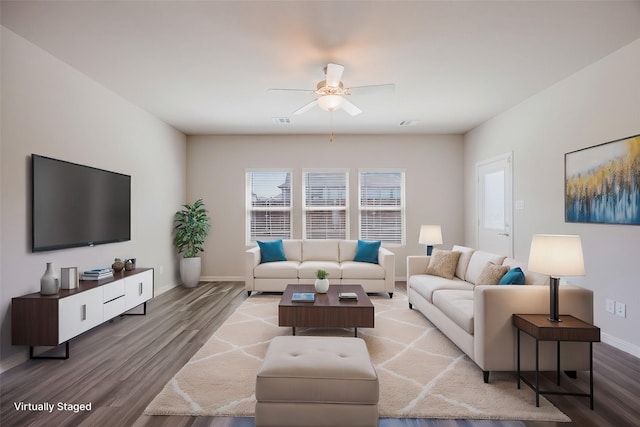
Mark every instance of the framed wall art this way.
pixel 602 183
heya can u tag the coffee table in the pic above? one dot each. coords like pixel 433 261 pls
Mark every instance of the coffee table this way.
pixel 328 310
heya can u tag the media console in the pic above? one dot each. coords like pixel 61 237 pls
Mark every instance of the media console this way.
pixel 51 320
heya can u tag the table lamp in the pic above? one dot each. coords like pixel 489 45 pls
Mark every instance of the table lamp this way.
pixel 430 235
pixel 556 255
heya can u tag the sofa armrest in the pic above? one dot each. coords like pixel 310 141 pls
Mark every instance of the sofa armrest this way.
pixel 387 261
pixel 494 334
pixel 252 259
pixel 416 264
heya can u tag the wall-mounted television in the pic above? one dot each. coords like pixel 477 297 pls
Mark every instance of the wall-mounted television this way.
pixel 75 205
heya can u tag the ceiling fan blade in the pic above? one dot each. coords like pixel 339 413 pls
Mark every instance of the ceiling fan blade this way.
pixel 289 90
pixel 306 107
pixel 334 74
pixel 350 108
pixel 372 89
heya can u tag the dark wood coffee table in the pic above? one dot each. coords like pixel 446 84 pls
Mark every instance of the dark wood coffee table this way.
pixel 328 310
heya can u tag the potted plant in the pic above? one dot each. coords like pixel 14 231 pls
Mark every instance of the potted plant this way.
pixel 322 283
pixel 192 225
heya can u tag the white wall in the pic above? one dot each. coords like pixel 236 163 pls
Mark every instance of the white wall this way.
pixel 217 166
pixel 48 108
pixel 598 104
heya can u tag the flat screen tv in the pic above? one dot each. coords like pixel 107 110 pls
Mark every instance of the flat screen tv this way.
pixel 75 205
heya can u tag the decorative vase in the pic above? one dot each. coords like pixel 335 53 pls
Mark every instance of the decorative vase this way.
pixel 190 271
pixel 321 285
pixel 117 265
pixel 49 283
pixel 128 265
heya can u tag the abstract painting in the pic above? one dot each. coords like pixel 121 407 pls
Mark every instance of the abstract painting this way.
pixel 602 183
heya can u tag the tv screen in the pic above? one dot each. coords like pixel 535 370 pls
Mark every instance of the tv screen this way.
pixel 75 205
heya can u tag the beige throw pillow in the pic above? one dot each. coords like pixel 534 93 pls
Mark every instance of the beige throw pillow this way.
pixel 491 274
pixel 443 263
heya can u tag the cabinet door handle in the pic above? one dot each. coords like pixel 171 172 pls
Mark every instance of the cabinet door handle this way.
pixel 83 312
pixel 140 289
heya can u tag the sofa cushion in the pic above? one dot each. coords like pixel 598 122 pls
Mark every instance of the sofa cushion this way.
pixel 347 249
pixel 443 263
pixel 361 270
pixel 277 270
pixel 271 251
pixel 463 261
pixel 292 249
pixel 367 251
pixel 491 274
pixel 426 285
pixel 478 262
pixel 457 305
pixel 320 250
pixel 514 276
pixel 530 278
pixel 307 269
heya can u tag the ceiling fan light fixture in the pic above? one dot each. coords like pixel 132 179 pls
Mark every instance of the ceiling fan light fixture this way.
pixel 330 102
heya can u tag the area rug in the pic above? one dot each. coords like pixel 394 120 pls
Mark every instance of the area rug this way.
pixel 422 374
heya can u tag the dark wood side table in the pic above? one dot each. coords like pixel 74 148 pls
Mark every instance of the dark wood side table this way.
pixel 542 329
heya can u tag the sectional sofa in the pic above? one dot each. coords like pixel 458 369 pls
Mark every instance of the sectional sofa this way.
pixel 477 316
pixel 302 258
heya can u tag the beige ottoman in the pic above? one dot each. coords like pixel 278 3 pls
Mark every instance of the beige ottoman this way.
pixel 316 381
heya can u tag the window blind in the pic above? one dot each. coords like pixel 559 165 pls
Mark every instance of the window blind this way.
pixel 325 205
pixel 381 205
pixel 269 205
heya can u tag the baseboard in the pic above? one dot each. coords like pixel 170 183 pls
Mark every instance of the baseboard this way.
pixel 222 279
pixel 625 346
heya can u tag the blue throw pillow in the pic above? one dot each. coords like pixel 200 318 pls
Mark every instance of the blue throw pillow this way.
pixel 271 251
pixel 515 276
pixel 367 251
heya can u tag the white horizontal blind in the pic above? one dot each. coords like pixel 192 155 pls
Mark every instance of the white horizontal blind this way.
pixel 269 205
pixel 325 204
pixel 381 204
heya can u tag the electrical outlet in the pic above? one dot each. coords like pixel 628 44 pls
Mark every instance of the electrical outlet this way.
pixel 621 309
pixel 611 306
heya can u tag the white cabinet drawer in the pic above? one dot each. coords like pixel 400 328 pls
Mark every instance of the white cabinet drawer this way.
pixel 113 308
pixel 79 313
pixel 113 290
pixel 138 289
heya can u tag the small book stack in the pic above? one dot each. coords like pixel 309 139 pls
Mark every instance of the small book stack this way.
pixel 303 297
pixel 97 274
pixel 348 295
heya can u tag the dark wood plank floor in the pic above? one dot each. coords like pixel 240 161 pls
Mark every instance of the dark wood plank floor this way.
pixel 120 367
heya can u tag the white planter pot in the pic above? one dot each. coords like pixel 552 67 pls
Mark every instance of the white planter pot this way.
pixel 190 271
pixel 322 286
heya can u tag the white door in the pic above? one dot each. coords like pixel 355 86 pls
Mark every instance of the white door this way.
pixel 494 200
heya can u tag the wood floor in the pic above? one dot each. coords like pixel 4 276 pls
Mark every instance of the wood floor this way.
pixel 120 366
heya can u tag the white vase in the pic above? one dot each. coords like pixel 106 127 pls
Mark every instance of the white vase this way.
pixel 321 285
pixel 49 283
pixel 190 271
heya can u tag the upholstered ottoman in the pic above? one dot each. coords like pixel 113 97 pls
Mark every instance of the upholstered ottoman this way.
pixel 316 381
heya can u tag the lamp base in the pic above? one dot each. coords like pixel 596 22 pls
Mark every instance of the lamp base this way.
pixel 429 250
pixel 554 313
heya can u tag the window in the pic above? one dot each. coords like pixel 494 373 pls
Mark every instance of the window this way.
pixel 381 206
pixel 325 201
pixel 268 205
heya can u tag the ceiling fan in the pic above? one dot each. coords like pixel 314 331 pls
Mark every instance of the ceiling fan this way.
pixel 332 92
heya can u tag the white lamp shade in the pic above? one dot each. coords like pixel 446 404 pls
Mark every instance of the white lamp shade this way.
pixel 430 235
pixel 330 102
pixel 556 255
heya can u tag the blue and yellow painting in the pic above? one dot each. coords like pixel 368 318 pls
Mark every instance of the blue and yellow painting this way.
pixel 602 183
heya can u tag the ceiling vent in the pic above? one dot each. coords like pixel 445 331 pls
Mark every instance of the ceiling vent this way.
pixel 408 123
pixel 281 120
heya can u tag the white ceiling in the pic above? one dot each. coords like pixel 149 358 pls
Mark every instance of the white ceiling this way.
pixel 205 66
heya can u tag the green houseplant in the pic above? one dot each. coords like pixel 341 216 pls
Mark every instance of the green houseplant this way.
pixel 322 283
pixel 192 225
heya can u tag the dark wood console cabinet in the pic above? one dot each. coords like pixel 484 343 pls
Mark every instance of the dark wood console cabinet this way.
pixel 51 320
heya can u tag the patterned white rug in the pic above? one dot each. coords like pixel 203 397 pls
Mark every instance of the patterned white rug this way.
pixel 422 374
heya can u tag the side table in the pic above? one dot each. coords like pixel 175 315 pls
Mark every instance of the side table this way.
pixel 542 329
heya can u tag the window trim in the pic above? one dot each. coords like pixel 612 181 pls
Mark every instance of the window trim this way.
pixel 401 208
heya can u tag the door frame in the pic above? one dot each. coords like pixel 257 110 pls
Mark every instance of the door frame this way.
pixel 508 156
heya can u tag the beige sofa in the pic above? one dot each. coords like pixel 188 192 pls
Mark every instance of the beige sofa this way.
pixel 477 318
pixel 305 257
